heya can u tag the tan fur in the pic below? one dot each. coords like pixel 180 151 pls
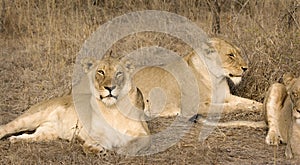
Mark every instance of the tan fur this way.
pixel 282 106
pixel 233 66
pixel 57 118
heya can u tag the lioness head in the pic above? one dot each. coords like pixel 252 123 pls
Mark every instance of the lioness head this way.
pixel 295 97
pixel 232 62
pixel 293 86
pixel 109 79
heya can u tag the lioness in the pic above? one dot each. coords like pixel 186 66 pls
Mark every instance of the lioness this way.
pixel 282 114
pixel 109 82
pixel 282 106
pixel 232 64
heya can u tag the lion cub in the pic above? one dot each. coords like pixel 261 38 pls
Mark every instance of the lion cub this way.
pixel 109 82
pixel 282 107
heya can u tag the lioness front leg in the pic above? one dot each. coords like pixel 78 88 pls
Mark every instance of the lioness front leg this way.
pixel 273 105
pixel 234 103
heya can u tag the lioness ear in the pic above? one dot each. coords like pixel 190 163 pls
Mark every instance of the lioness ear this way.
pixel 214 43
pixel 189 57
pixel 287 78
pixel 87 64
pixel 129 66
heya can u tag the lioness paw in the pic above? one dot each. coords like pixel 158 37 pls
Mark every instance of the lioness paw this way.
pixel 93 148
pixel 288 152
pixel 24 137
pixel 273 138
pixel 12 139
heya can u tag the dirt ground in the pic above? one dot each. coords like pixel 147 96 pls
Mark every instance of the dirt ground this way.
pixel 39 41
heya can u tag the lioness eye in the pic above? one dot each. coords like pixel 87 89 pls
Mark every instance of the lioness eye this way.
pixel 101 72
pixel 118 74
pixel 231 55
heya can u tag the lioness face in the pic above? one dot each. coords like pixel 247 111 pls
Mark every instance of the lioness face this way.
pixel 295 97
pixel 233 64
pixel 110 80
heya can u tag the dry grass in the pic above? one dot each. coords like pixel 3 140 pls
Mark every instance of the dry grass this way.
pixel 40 39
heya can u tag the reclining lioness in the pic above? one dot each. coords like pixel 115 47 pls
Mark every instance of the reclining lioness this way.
pixel 109 82
pixel 282 106
pixel 233 67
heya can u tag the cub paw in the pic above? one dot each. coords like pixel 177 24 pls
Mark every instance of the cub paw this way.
pixel 273 138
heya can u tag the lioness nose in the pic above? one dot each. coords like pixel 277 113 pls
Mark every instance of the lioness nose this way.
pixel 110 88
pixel 244 69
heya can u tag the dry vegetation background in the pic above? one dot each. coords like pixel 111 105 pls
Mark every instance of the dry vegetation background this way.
pixel 39 41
